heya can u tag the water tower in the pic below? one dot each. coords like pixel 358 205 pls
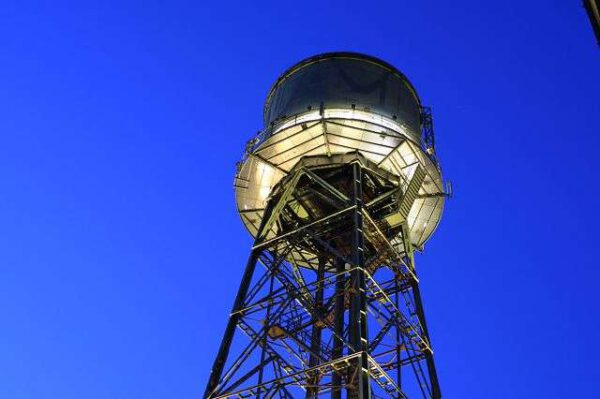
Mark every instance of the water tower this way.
pixel 338 191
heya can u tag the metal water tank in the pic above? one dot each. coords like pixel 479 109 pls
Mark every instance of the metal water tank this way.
pixel 335 104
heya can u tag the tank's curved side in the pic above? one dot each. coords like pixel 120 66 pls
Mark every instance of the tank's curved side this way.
pixel 339 132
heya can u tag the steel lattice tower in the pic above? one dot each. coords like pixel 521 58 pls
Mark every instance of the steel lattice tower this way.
pixel 338 191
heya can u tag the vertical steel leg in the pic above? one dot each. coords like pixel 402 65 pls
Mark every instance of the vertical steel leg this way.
pixel 234 318
pixel 435 385
pixel 264 340
pixel 358 305
pixel 338 344
pixel 398 337
pixel 312 392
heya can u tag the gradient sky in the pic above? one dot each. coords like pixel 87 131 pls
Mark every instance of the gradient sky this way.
pixel 121 123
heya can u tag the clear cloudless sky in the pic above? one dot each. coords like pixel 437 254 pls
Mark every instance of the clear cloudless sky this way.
pixel 120 125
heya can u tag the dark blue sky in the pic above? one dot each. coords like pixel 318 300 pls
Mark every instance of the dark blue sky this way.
pixel 121 123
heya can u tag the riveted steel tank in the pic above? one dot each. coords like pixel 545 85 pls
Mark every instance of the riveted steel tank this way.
pixel 334 104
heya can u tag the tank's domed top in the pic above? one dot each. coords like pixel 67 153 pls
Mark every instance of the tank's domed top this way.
pixel 345 81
